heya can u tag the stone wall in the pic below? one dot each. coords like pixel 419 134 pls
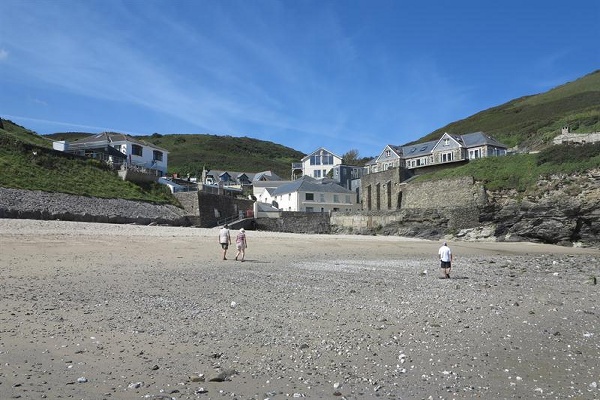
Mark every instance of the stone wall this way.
pixel 208 210
pixel 427 209
pixel 382 190
pixel 296 222
pixel 36 204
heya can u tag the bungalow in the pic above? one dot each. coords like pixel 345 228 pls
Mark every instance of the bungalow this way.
pixel 308 194
pixel 120 151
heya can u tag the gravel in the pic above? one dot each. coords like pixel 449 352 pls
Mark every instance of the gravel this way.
pixel 105 311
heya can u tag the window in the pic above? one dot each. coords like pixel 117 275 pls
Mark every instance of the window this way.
pixel 322 197
pixel 446 142
pixel 327 159
pixel 309 196
pixel 317 173
pixel 388 153
pixel 136 150
pixel 157 155
pixel 336 198
pixel 315 160
pixel 348 198
pixel 310 209
pixel 446 157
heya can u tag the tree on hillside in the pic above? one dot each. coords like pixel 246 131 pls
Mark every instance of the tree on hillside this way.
pixel 350 157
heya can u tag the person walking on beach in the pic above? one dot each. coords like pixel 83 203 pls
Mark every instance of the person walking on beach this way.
pixel 445 260
pixel 241 244
pixel 224 239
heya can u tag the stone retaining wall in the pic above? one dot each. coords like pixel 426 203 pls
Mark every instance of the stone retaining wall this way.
pixel 36 204
pixel 296 222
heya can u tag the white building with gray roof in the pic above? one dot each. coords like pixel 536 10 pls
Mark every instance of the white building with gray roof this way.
pixel 308 194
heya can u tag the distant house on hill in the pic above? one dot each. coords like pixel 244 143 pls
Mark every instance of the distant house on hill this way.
pixel 451 149
pixel 566 137
pixel 120 151
pixel 235 178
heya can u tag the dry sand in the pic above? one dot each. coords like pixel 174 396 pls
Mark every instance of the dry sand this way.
pixel 98 311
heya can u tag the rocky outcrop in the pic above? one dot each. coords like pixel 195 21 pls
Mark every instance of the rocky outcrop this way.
pixel 36 204
pixel 563 209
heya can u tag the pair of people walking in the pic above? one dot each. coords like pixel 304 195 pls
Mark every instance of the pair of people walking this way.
pixel 241 242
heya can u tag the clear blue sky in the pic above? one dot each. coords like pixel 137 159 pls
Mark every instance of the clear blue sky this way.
pixel 339 74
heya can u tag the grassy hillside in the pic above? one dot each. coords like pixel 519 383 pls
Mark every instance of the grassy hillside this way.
pixel 529 122
pixel 28 162
pixel 193 152
pixel 532 122
pixel 521 171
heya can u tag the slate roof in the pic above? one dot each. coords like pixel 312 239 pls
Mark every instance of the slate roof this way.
pixel 252 177
pixel 103 138
pixel 468 140
pixel 478 139
pixel 309 184
pixel 418 149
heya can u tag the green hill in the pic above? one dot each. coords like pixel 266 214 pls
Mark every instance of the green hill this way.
pixel 190 153
pixel 532 122
pixel 27 160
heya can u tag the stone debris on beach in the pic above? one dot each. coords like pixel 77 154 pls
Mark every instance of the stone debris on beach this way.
pixel 103 312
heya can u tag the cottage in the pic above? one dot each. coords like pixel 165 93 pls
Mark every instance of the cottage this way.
pixel 313 195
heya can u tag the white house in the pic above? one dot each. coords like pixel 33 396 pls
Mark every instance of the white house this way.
pixel 314 195
pixel 263 190
pixel 119 150
pixel 317 164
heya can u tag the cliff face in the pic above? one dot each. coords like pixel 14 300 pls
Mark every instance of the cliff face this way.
pixel 562 210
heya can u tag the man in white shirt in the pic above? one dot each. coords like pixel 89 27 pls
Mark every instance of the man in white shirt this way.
pixel 445 260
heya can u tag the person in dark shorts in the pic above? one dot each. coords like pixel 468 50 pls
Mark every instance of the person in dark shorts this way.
pixel 224 239
pixel 445 255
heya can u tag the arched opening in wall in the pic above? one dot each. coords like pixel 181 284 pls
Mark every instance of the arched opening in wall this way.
pixel 378 196
pixel 389 195
pixel 400 200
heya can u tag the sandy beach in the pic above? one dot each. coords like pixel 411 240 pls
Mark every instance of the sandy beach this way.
pixel 100 311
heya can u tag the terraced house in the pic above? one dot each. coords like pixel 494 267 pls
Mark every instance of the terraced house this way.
pixel 381 185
